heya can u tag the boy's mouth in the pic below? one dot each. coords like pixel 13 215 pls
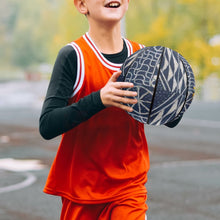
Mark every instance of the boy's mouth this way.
pixel 113 4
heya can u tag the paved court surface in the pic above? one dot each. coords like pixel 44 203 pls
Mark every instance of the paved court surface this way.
pixel 184 180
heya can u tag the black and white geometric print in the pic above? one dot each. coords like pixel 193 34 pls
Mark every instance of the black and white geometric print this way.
pixel 164 82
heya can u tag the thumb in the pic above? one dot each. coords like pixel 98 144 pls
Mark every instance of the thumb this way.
pixel 115 76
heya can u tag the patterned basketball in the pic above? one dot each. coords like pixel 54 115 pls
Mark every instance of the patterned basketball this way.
pixel 164 82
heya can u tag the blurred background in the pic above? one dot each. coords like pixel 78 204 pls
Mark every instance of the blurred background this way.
pixel 184 181
pixel 31 34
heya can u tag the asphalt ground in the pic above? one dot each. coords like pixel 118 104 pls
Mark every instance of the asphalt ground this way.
pixel 183 182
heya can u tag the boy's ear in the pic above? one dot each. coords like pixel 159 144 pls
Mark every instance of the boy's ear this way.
pixel 81 6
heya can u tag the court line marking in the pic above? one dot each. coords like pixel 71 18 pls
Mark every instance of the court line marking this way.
pixel 30 179
pixel 20 166
pixel 186 163
pixel 17 165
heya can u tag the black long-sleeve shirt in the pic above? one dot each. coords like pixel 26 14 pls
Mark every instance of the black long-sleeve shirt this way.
pixel 57 117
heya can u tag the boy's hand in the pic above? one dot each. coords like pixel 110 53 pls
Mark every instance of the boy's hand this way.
pixel 113 95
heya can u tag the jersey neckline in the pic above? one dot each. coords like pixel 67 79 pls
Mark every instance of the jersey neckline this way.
pixel 101 57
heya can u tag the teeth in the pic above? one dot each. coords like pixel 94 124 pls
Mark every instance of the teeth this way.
pixel 113 5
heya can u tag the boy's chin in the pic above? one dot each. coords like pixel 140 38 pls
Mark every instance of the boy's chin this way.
pixel 114 18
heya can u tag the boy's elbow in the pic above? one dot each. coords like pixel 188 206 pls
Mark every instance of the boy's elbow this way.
pixel 44 129
pixel 44 133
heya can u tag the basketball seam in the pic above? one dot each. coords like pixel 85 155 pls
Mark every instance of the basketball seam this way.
pixel 152 100
pixel 187 91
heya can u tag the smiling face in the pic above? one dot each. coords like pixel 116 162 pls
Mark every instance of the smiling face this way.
pixel 102 10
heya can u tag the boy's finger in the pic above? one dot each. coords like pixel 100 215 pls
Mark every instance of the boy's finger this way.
pixel 123 85
pixel 124 107
pixel 124 100
pixel 123 93
pixel 115 76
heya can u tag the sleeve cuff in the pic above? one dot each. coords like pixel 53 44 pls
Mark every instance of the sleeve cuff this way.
pixel 174 123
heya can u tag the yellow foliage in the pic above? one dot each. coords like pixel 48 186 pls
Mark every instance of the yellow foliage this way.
pixel 185 26
pixel 187 1
pixel 71 25
pixel 202 56
pixel 157 33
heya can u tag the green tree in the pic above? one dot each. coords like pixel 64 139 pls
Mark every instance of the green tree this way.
pixel 8 16
pixel 26 31
pixel 32 33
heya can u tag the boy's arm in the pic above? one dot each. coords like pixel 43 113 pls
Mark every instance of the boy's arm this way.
pixel 57 116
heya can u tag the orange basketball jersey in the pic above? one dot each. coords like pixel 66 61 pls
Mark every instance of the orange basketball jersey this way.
pixel 106 157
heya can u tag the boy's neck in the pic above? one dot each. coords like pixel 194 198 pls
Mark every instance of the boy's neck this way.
pixel 108 40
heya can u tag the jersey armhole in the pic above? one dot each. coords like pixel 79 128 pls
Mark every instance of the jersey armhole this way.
pixel 132 49
pixel 141 46
pixel 80 75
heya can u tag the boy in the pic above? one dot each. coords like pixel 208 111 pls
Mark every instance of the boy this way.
pixel 101 166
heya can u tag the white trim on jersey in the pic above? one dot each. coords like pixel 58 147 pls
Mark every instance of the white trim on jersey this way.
pixel 80 68
pixel 81 64
pixel 141 46
pixel 103 60
pixel 129 46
